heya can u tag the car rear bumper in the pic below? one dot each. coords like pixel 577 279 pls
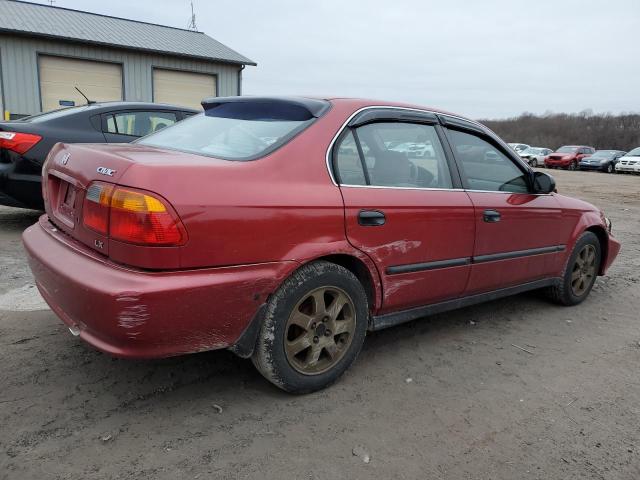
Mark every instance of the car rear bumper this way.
pixel 140 314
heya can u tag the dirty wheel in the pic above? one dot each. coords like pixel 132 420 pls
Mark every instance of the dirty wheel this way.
pixel 313 328
pixel 319 330
pixel 580 272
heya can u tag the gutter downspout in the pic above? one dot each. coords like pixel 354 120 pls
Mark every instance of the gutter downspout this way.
pixel 240 79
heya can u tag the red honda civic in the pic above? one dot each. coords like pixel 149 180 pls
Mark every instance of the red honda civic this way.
pixel 284 229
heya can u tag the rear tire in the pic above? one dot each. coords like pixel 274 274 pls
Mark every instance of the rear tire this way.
pixel 580 272
pixel 534 163
pixel 314 328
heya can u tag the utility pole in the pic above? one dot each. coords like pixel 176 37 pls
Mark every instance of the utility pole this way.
pixel 192 23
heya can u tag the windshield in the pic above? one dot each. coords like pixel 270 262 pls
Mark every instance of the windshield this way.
pixel 567 149
pixel 604 154
pixel 634 153
pixel 234 131
pixel 532 151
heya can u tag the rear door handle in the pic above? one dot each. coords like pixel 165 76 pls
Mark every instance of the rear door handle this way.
pixel 371 218
pixel 491 216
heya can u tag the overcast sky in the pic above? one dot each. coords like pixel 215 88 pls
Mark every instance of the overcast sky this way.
pixel 483 59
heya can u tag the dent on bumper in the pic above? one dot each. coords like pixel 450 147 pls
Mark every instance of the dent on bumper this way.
pixel 140 314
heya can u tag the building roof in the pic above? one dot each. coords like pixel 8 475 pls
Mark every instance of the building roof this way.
pixel 78 26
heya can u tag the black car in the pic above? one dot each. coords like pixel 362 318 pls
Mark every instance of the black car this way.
pixel 603 160
pixel 25 143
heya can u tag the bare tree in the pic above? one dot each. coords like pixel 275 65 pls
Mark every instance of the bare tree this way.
pixel 552 130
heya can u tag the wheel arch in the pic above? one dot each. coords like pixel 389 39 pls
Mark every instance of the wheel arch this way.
pixel 362 271
pixel 603 238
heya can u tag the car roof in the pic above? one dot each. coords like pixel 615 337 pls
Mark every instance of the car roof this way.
pixel 125 105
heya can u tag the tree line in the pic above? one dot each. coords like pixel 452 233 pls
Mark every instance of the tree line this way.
pixel 552 130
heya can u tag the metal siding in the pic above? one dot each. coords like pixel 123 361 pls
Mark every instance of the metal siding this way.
pixel 20 69
pixel 112 32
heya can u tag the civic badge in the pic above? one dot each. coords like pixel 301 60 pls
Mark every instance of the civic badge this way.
pixel 106 171
pixel 65 158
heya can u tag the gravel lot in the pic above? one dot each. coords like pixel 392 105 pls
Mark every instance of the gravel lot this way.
pixel 445 397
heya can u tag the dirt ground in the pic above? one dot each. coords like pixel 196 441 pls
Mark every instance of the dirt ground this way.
pixel 447 397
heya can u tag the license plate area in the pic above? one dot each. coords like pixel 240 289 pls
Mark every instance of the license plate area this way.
pixel 64 201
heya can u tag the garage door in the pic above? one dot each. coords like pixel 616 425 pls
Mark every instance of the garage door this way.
pixel 59 76
pixel 186 89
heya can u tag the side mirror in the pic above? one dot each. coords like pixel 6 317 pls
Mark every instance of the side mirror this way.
pixel 543 183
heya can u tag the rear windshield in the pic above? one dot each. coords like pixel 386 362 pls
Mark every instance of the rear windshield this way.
pixel 234 131
pixel 54 114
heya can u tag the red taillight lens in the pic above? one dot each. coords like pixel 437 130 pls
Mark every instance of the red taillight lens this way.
pixel 18 142
pixel 131 216
pixel 95 211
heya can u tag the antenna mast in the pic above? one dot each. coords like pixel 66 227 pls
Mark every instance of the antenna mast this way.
pixel 192 23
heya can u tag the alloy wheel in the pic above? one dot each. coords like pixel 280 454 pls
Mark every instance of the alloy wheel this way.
pixel 584 270
pixel 319 330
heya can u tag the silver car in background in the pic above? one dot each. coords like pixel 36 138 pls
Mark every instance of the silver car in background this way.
pixel 534 156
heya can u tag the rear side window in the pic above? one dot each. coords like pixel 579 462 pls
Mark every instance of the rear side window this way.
pixel 485 167
pixel 139 124
pixel 235 130
pixel 395 155
pixel 348 163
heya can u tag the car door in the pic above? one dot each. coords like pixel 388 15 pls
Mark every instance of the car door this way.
pixel 517 236
pixel 126 126
pixel 404 206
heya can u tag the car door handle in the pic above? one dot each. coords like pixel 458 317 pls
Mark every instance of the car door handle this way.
pixel 371 218
pixel 491 216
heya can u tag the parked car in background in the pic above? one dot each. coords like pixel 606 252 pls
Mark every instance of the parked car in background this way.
pixel 25 143
pixel 603 160
pixel 414 149
pixel 519 147
pixel 568 157
pixel 535 156
pixel 630 162
pixel 206 236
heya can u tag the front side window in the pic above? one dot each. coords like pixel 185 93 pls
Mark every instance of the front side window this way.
pixel 395 155
pixel 139 124
pixel 484 166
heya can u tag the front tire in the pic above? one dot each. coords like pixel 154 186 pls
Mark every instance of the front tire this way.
pixel 580 271
pixel 314 328
pixel 534 163
pixel 610 168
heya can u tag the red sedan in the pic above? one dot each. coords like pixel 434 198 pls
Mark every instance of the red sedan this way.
pixel 568 157
pixel 284 229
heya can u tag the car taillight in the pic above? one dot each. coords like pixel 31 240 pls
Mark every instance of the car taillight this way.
pixel 18 142
pixel 131 216
pixel 97 203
